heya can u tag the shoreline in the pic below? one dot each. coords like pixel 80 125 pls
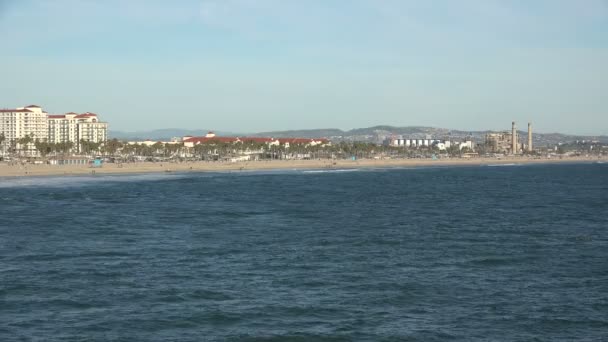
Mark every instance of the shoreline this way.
pixel 12 171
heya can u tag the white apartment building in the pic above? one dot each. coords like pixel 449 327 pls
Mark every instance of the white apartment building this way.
pixel 76 127
pixel 62 128
pixel 20 122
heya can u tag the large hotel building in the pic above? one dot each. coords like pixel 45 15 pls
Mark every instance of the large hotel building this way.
pixel 34 122
pixel 76 127
pixel 24 121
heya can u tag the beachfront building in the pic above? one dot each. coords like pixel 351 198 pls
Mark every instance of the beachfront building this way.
pixel 19 123
pixel 441 145
pixel 64 160
pixel 468 144
pixel 73 127
pixel 248 148
pixel 403 142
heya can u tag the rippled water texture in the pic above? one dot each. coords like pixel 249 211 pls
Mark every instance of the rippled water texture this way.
pixel 513 253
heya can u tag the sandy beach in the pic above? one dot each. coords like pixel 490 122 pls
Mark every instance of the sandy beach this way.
pixel 201 166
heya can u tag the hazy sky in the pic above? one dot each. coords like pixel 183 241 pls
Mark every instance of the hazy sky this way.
pixel 258 65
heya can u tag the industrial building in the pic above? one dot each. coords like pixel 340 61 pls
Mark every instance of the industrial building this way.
pixel 508 142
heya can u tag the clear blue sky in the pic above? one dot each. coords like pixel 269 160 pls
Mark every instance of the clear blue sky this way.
pixel 258 65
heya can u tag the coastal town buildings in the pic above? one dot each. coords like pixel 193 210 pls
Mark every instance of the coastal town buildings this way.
pixel 239 148
pixel 19 123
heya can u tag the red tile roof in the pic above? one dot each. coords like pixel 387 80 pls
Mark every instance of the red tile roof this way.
pixel 32 106
pixel 257 139
pixel 201 140
pixel 15 111
pixel 77 116
pixel 86 115
pixel 302 140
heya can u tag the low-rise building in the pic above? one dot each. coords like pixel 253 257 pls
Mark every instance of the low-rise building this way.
pixel 404 142
pixel 63 160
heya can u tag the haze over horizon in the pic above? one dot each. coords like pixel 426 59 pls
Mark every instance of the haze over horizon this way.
pixel 268 65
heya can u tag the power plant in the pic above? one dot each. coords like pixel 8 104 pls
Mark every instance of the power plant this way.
pixel 508 142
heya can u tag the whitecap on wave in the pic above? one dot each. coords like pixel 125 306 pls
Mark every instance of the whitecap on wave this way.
pixel 331 171
pixel 498 165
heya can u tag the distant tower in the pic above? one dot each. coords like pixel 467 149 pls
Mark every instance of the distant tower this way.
pixel 513 138
pixel 529 137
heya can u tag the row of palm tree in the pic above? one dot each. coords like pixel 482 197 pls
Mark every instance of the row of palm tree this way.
pixel 46 148
pixel 2 140
pixel 220 150
pixel 216 150
pixel 28 143
pixel 157 149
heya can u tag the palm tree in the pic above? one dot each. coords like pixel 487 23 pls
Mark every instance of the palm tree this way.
pixel 12 149
pixel 158 148
pixel 2 140
pixel 25 141
pixel 199 151
pixel 64 147
pixel 43 147
pixel 88 147
pixel 128 150
pixel 171 150
pixel 112 146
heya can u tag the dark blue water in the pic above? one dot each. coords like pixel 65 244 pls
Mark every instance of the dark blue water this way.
pixel 515 253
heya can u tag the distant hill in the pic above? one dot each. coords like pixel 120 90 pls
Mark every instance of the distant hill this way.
pixel 369 134
pixel 304 133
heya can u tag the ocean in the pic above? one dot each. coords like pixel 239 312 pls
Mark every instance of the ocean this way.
pixel 491 253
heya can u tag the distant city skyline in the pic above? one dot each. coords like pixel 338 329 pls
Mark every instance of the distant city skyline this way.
pixel 268 65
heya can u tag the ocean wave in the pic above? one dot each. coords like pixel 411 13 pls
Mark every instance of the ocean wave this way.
pixel 80 180
pixel 331 171
pixel 508 164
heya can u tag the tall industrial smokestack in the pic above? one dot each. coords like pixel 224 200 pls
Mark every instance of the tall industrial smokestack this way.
pixel 513 138
pixel 529 137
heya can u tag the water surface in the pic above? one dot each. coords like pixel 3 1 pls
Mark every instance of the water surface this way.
pixel 456 253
